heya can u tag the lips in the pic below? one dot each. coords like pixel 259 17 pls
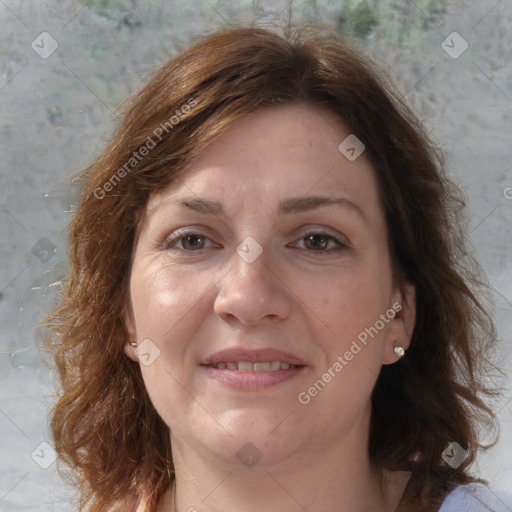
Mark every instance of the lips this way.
pixel 252 370
pixel 251 356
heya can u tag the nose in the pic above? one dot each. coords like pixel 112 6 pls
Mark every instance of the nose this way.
pixel 252 293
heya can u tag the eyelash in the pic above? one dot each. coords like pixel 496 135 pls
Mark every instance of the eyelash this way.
pixel 171 242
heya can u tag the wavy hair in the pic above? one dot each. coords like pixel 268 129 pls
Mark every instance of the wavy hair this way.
pixel 108 436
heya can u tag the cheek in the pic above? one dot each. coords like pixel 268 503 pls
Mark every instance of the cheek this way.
pixel 162 296
pixel 167 305
pixel 352 302
pixel 348 308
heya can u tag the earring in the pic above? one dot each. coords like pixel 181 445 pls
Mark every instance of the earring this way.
pixel 399 351
pixel 133 343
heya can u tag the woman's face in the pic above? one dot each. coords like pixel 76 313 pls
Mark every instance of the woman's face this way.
pixel 270 251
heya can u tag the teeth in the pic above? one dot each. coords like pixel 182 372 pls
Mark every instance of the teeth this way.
pixel 275 365
pixel 261 367
pixel 245 366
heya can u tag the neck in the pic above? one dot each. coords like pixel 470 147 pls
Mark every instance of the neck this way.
pixel 320 479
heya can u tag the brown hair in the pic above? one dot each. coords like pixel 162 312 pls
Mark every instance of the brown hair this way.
pixel 105 428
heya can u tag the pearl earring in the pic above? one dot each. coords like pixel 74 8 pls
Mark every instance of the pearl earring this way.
pixel 133 343
pixel 399 351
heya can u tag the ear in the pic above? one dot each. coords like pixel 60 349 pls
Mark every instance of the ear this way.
pixel 401 327
pixel 131 333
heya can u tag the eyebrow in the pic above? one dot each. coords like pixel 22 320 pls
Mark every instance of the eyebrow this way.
pixel 290 205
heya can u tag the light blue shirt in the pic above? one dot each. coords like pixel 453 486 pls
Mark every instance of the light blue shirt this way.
pixel 477 498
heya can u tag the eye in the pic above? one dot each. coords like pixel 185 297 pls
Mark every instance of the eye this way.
pixel 188 241
pixel 314 242
pixel 321 243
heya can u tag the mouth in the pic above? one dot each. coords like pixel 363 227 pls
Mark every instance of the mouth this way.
pixel 247 366
pixel 252 370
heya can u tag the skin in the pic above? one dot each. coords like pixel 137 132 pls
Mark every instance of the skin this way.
pixel 192 304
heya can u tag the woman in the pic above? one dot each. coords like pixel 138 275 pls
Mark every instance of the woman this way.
pixel 268 307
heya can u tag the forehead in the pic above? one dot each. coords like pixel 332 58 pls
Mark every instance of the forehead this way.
pixel 273 153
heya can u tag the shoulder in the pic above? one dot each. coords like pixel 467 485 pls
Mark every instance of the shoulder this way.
pixel 476 497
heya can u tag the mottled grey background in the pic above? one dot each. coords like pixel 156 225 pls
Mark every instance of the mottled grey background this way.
pixel 59 109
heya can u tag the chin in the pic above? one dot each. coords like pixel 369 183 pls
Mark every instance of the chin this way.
pixel 255 440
